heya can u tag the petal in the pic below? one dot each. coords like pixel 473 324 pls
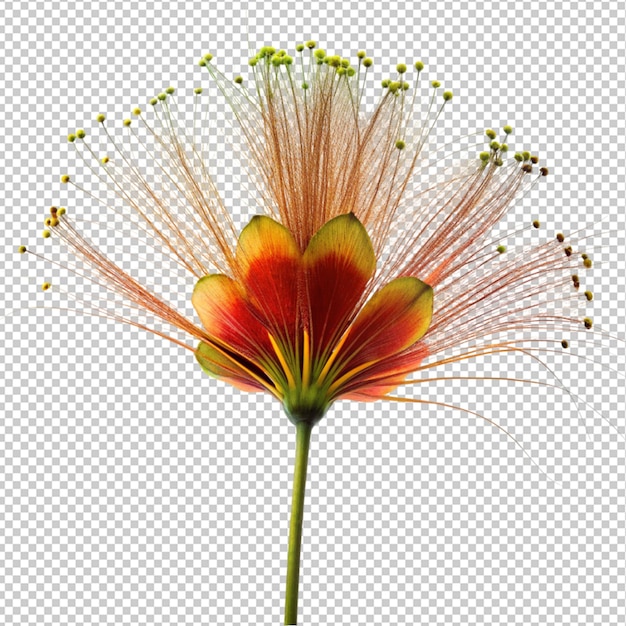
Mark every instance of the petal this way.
pixel 217 364
pixel 227 317
pixel 269 263
pixel 394 318
pixel 339 261
pixel 377 381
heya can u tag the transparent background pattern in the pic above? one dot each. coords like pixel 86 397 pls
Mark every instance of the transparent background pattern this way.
pixel 135 490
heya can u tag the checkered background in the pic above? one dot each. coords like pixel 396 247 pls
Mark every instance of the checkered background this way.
pixel 135 490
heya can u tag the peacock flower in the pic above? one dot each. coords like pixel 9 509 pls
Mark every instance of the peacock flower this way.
pixel 366 262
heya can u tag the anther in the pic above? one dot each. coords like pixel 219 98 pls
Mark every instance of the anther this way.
pixel 80 133
pixel 21 249
pixel 565 343
pixel 100 118
pixel 536 223
pixel 65 178
pixel 501 249
pixel 588 322
pixel 560 237
pixel 45 286
pixel 589 296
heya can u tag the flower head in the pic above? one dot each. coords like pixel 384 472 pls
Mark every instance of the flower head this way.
pixel 361 265
pixel 359 268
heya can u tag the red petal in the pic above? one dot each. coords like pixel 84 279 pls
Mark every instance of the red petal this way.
pixel 385 376
pixel 339 261
pixel 227 317
pixel 394 318
pixel 269 264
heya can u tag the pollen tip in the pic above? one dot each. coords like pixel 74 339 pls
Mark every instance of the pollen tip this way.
pixel 588 322
pixel 46 234
pixel 361 54
pixel 527 168
pixel 536 223
pixel 153 101
pixel 501 249
pixel 544 171
pixel 208 57
pixel 45 286
pixel 504 147
pixel 62 210
pixel 507 129
pixel 310 44
pixel 587 262
pixel 53 211
pixel 560 237
pixel 100 118
pixel 299 47
pixel 575 281
pixel 564 343
pixel 136 111
pixel 526 155
pixel 484 156
pixel 589 296
pixel 401 68
pixel 238 80
pixel 419 66
pixel 65 178
pixel 80 133
pixel 170 90
pixel 494 145
pixel 534 159
pixel 127 122
pixel 104 160
pixel 21 249
pixel 490 133
pixel 197 91
pixel 368 62
pixel 401 145
pixel 435 83
pixel 568 251
pixel 71 137
pixel 447 96
pixel 162 96
pixel 305 86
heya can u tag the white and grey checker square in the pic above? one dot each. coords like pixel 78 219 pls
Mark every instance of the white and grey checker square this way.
pixel 134 490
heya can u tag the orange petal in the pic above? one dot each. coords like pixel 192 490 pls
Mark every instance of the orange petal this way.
pixel 269 263
pixel 339 261
pixel 227 317
pixel 394 318
pixel 385 376
pixel 214 363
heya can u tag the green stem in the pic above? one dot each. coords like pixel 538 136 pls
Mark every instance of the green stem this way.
pixel 303 439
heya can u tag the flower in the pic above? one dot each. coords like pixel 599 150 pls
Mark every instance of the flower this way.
pixel 360 269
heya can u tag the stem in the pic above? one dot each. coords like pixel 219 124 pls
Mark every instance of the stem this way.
pixel 303 439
